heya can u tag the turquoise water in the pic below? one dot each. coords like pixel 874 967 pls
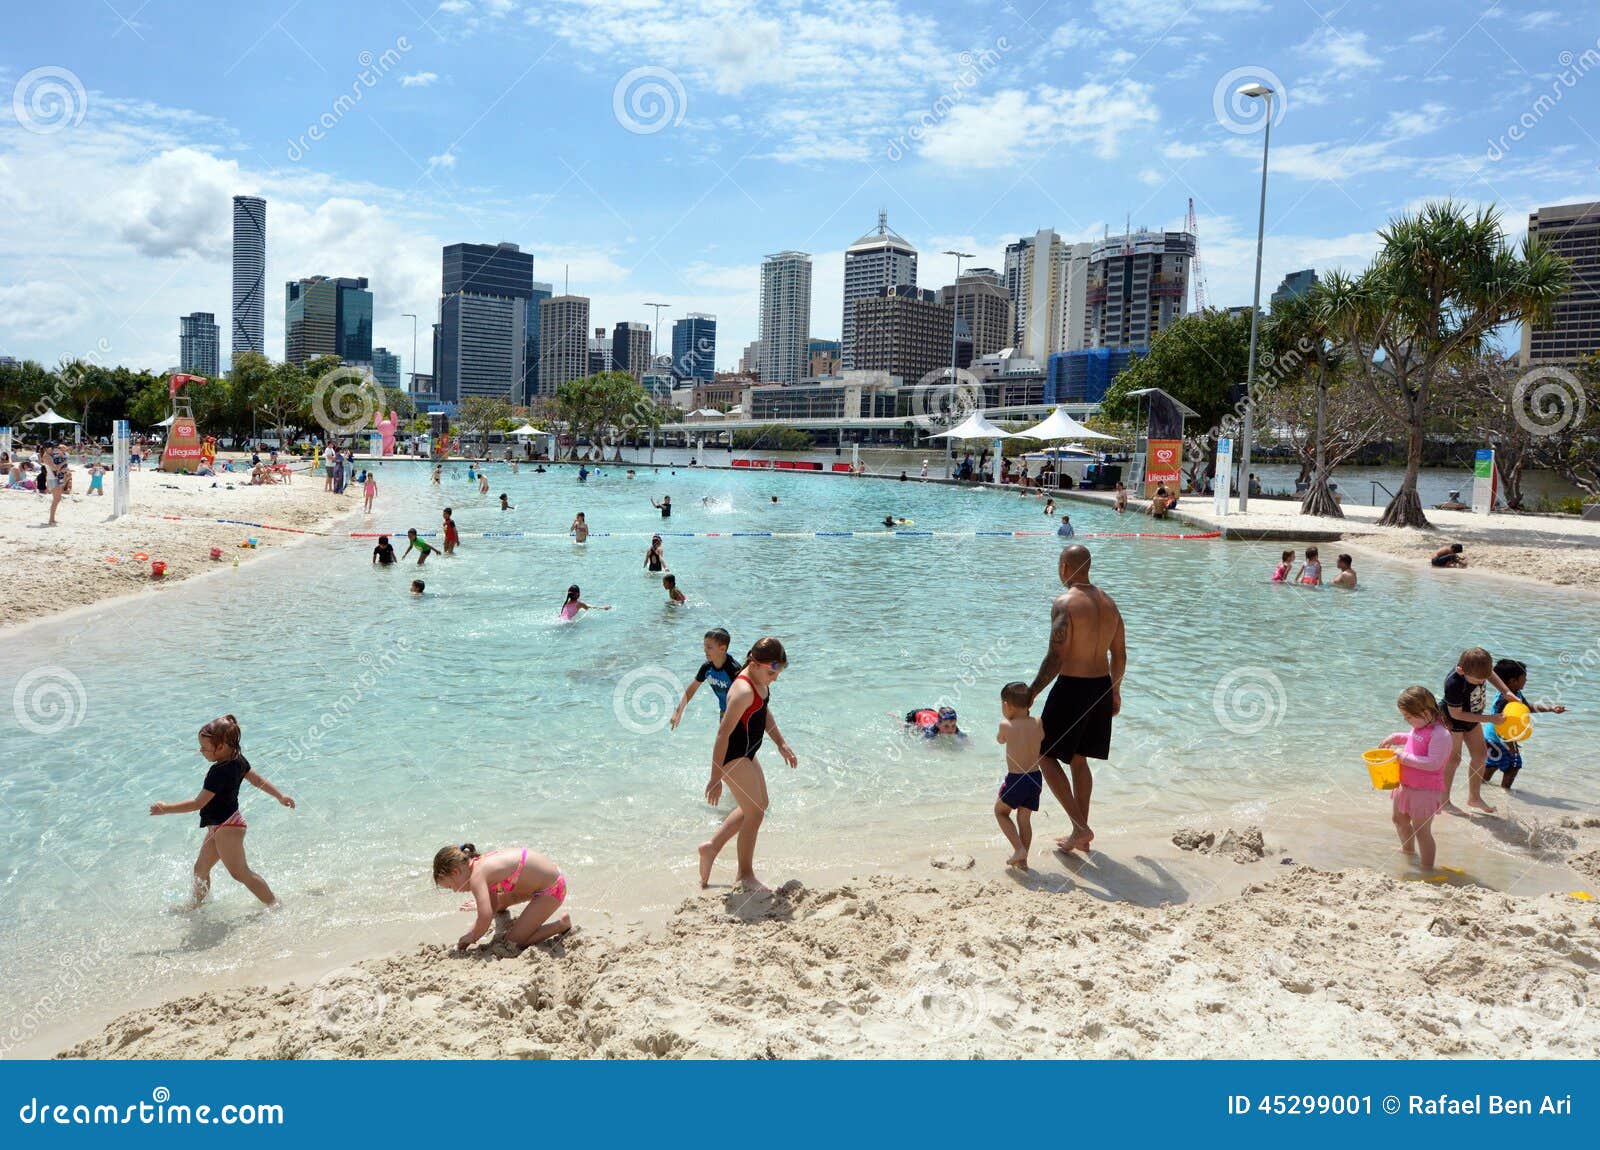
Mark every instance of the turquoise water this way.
pixel 401 724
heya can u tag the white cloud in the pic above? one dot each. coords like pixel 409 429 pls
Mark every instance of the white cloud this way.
pixel 1342 51
pixel 1004 129
pixel 446 160
pixel 419 79
pixel 1159 17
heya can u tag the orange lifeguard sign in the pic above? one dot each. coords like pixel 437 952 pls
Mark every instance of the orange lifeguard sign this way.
pixel 183 451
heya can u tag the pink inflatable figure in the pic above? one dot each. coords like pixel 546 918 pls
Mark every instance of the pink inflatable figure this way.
pixel 386 432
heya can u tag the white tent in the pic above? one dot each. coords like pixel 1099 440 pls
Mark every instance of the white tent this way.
pixel 527 429
pixel 1060 425
pixel 50 416
pixel 975 426
pixel 707 413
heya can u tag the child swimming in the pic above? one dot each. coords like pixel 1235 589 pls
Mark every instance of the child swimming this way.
pixel 674 596
pixel 1423 751
pixel 1505 755
pixel 719 669
pixel 580 529
pixel 418 586
pixel 654 560
pixel 1022 736
pixel 383 553
pixel 505 504
pixel 451 536
pixel 220 817
pixel 416 543
pixel 483 483
pixel 574 604
pixel 499 880
pixel 1311 569
pixel 1280 573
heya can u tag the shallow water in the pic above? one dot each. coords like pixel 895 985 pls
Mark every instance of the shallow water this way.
pixel 401 724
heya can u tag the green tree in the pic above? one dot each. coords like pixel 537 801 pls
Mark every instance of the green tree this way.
pixel 596 404
pixel 481 414
pixel 771 437
pixel 1443 281
pixel 1196 361
pixel 283 396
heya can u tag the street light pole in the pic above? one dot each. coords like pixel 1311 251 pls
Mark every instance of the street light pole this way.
pixel 655 331
pixel 955 316
pixel 1264 93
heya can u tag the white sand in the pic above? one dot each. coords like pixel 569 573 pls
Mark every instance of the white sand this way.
pixel 50 569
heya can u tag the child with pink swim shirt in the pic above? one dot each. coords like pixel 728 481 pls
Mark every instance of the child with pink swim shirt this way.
pixel 1423 751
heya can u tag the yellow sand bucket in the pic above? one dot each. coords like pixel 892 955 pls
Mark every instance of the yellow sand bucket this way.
pixel 1518 727
pixel 1384 767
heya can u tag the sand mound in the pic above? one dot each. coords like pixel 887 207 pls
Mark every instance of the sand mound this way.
pixel 1312 965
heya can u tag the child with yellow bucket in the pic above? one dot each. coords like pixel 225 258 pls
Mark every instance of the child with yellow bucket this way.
pixel 1505 739
pixel 1421 753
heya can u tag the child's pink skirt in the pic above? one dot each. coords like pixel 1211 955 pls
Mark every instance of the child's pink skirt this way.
pixel 1417 804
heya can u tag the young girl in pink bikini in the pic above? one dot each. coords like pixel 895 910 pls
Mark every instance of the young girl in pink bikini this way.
pixel 499 880
pixel 1423 752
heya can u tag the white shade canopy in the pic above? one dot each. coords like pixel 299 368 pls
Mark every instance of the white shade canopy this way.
pixel 527 429
pixel 50 416
pixel 975 426
pixel 1060 425
pixel 707 413
pixel 167 422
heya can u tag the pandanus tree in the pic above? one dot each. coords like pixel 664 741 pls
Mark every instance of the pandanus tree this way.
pixel 1443 281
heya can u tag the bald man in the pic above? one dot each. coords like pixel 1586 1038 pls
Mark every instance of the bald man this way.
pixel 1086 661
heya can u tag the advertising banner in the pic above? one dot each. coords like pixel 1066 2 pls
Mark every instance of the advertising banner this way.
pixel 183 450
pixel 1163 465
pixel 1224 480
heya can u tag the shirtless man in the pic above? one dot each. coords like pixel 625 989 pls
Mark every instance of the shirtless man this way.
pixel 1086 661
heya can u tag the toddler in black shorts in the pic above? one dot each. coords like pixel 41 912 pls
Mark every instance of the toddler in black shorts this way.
pixel 1022 735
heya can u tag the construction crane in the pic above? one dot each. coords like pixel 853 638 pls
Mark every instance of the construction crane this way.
pixel 1196 271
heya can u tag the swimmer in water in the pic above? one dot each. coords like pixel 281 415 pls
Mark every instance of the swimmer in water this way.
pixel 654 560
pixel 505 505
pixel 418 586
pixel 383 553
pixel 674 596
pixel 437 468
pixel 483 483
pixel 1050 506
pixel 451 536
pixel 420 546
pixel 580 529
pixel 570 609
pixel 891 521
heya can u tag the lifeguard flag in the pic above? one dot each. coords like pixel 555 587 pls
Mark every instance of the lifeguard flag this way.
pixel 178 381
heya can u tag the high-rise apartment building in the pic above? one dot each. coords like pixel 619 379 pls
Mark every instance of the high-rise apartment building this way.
pixel 750 360
pixel 1052 277
pixel 1017 255
pixel 694 347
pixel 531 321
pixel 1294 284
pixel 386 367
pixel 630 349
pixel 877 261
pixel 1138 285
pixel 199 343
pixel 563 341
pixel 326 316
pixel 905 332
pixel 1572 231
pixel 484 315
pixel 983 310
pixel 785 316
pixel 249 275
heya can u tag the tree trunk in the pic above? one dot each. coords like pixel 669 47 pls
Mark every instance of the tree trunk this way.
pixel 1319 500
pixel 1405 509
pixel 1513 489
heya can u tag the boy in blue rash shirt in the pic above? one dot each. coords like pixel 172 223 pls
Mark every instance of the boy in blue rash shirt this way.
pixel 1506 756
pixel 719 669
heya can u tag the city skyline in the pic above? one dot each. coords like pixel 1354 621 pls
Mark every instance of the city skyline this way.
pixel 1007 123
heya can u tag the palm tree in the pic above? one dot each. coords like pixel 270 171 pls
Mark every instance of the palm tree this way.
pixel 1442 283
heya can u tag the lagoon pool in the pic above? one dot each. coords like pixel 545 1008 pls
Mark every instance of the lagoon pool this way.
pixel 401 724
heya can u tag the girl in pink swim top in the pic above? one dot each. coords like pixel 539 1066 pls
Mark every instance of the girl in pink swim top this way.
pixel 1280 573
pixel 499 880
pixel 574 604
pixel 1423 751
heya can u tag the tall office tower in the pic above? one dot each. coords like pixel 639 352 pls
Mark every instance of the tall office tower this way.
pixel 750 360
pixel 323 316
pixel 249 275
pixel 600 352
pixel 694 347
pixel 1572 231
pixel 563 341
pixel 983 310
pixel 877 261
pixel 483 322
pixel 785 316
pixel 903 331
pixel 630 349
pixel 199 343
pixel 386 367
pixel 1294 284
pixel 1016 257
pixel 530 359
pixel 1138 285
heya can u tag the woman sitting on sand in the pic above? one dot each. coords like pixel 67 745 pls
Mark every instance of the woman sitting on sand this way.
pixel 745 724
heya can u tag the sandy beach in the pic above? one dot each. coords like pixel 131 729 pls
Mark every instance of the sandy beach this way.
pixel 1298 964
pixel 172 519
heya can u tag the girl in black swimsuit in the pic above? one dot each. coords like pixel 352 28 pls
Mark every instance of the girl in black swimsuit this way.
pixel 745 724
pixel 653 559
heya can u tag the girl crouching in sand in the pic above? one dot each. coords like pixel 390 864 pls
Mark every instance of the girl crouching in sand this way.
pixel 220 817
pixel 501 879
pixel 1423 752
pixel 745 723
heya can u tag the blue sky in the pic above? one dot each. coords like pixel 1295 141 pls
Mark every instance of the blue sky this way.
pixel 656 151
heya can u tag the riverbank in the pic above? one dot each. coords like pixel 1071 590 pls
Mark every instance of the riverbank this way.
pixel 1311 964
pixel 88 557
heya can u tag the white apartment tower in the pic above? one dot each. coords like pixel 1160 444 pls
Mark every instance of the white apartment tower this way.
pixel 785 316
pixel 876 262
pixel 1051 282
pixel 1138 285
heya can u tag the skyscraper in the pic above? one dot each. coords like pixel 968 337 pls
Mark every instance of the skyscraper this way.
pixel 878 260
pixel 530 359
pixel 1294 284
pixel 483 318
pixel 563 341
pixel 983 310
pixel 386 367
pixel 1138 286
pixel 1016 256
pixel 199 343
pixel 785 316
pixel 630 348
pixel 694 347
pixel 249 275
pixel 323 316
pixel 1052 277
pixel 750 359
pixel 1572 231
pixel 905 332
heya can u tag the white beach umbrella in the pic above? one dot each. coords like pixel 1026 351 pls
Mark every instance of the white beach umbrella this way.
pixel 50 416
pixel 1060 425
pixel 527 429
pixel 975 426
